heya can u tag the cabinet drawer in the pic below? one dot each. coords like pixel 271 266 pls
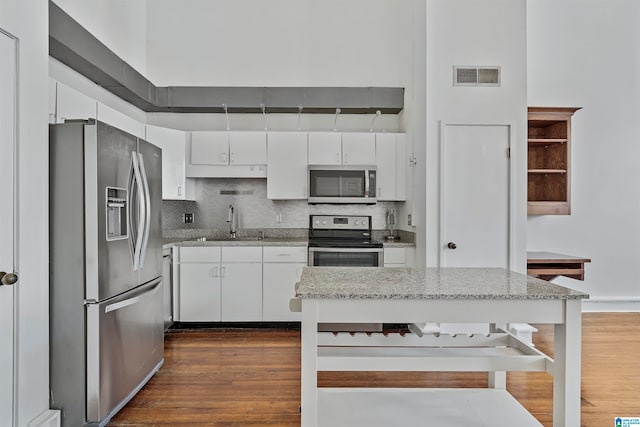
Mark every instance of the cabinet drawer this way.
pixel 242 254
pixel 394 256
pixel 285 254
pixel 200 254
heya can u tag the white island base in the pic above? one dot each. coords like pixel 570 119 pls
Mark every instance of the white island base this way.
pixel 411 407
pixel 448 295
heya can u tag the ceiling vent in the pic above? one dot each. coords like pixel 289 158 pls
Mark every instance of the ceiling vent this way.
pixel 476 76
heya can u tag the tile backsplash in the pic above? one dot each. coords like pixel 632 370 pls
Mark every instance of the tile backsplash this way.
pixel 249 198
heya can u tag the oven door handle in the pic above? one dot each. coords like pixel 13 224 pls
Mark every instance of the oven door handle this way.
pixel 346 250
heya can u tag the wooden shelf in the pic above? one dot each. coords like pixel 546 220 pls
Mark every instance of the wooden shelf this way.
pixel 549 265
pixel 547 140
pixel 549 160
pixel 547 171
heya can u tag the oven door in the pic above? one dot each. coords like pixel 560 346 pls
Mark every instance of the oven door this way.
pixel 346 257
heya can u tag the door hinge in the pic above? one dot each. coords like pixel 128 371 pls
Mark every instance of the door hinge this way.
pixel 509 153
pixel 413 161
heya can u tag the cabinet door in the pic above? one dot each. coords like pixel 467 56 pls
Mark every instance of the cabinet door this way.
pixel 241 292
pixel 209 148
pixel 119 120
pixel 206 254
pixel 200 297
pixel 71 104
pixel 394 257
pixel 278 287
pixel 358 149
pixel 53 88
pixel 391 161
pixel 325 148
pixel 247 148
pixel 172 143
pixel 287 165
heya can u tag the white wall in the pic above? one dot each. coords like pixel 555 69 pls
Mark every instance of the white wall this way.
pixel 279 42
pixel 28 21
pixel 469 32
pixel 586 53
pixel 120 24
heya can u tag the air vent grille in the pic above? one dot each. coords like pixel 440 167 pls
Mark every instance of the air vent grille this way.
pixel 476 76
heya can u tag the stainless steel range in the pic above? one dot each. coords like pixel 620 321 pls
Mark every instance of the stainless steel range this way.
pixel 344 241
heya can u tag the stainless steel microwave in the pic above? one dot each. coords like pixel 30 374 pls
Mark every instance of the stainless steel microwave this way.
pixel 342 184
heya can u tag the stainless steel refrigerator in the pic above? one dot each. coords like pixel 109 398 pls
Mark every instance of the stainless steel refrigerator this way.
pixel 106 303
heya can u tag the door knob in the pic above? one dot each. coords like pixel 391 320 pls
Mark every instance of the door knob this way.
pixel 7 278
pixel 451 245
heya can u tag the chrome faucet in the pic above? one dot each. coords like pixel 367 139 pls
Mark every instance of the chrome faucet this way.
pixel 232 222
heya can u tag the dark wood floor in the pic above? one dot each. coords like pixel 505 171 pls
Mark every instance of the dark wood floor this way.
pixel 252 378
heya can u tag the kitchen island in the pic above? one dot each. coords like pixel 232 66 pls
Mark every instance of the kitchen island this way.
pixel 466 295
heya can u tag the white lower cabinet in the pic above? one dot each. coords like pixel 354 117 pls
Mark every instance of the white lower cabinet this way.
pixel 281 271
pixel 241 291
pixel 200 293
pixel 399 257
pixel 278 284
pixel 220 284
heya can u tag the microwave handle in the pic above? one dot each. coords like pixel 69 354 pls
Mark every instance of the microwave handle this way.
pixel 367 178
pixel 370 184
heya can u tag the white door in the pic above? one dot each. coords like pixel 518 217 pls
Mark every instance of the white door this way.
pixel 7 227
pixel 475 217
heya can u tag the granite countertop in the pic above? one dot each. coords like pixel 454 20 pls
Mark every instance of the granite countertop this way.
pixel 398 244
pixel 268 241
pixel 431 283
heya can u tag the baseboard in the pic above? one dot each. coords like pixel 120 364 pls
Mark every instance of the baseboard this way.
pixel 49 418
pixel 611 304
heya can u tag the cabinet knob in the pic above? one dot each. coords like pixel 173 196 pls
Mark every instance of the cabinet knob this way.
pixel 451 245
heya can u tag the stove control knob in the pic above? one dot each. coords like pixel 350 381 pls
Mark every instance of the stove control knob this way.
pixel 355 223
pixel 324 222
pixel 317 222
pixel 364 222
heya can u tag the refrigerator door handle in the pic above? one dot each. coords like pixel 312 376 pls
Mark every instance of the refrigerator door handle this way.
pixel 147 203
pixel 130 301
pixel 137 181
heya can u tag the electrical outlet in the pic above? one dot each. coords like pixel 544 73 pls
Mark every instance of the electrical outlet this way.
pixel 187 218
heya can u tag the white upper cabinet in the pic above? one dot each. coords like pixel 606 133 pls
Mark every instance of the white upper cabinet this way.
pixel 119 120
pixel 335 148
pixel 247 148
pixel 358 148
pixel 53 87
pixel 287 165
pixel 227 154
pixel 71 104
pixel 210 148
pixel 228 148
pixel 175 185
pixel 325 148
pixel 392 163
